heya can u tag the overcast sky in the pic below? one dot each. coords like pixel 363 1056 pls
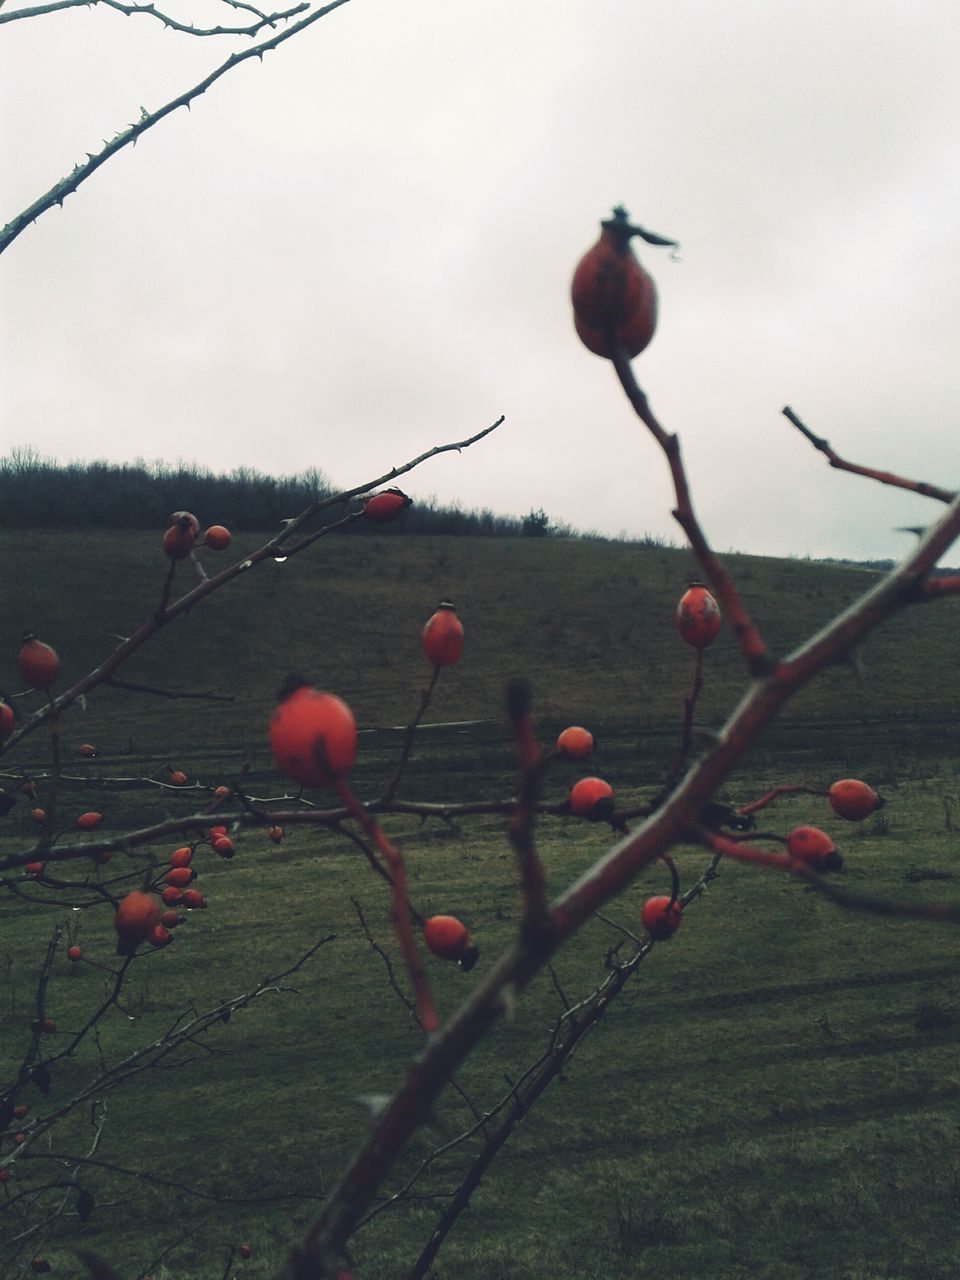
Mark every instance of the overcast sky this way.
pixel 362 248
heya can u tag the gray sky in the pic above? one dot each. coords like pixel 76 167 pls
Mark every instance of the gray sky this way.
pixel 362 248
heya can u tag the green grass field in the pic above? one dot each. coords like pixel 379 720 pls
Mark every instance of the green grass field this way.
pixel 775 1093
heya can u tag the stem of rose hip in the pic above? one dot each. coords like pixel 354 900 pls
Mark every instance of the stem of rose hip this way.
pixel 531 761
pixel 390 790
pixel 756 655
pixel 50 799
pixel 401 907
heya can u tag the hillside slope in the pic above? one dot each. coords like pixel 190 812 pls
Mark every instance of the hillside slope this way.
pixel 590 624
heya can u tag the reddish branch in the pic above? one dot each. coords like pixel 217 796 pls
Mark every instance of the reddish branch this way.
pixel 773 795
pixel 324 1245
pixel 756 655
pixel 686 730
pixel 884 477
pixel 730 848
pixel 945 585
pixel 530 760
pixel 401 907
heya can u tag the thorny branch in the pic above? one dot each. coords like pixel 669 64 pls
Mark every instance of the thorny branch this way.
pixel 150 10
pixel 81 172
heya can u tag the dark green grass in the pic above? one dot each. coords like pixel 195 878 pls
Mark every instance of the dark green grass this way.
pixel 775 1093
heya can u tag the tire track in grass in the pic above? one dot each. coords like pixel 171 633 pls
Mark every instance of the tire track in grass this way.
pixel 786 991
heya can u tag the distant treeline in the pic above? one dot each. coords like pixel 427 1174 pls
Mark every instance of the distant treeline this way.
pixel 36 492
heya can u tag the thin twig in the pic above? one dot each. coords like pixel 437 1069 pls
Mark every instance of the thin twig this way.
pixel 884 477
pixel 755 652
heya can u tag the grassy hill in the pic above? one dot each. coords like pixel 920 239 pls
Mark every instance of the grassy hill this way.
pixel 591 624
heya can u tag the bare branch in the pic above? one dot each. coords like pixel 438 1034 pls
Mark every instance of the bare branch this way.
pixel 390 790
pixel 884 477
pixel 536 916
pixel 150 10
pixel 932 911
pixel 81 172
pixel 168 612
pixel 115 682
pixel 755 652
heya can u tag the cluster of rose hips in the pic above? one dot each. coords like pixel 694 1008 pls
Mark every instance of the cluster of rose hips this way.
pixel 182 532
pixel 592 798
pixel 142 917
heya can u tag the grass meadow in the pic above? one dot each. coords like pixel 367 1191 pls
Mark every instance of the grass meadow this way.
pixel 774 1093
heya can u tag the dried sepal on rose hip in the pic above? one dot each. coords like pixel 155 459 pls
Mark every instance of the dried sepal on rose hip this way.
pixel 698 616
pixel 614 299
pixel 591 798
pixel 814 848
pixel 313 735
pixel 387 505
pixel 443 636
pixel 854 800
pixel 449 938
pixel 38 663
